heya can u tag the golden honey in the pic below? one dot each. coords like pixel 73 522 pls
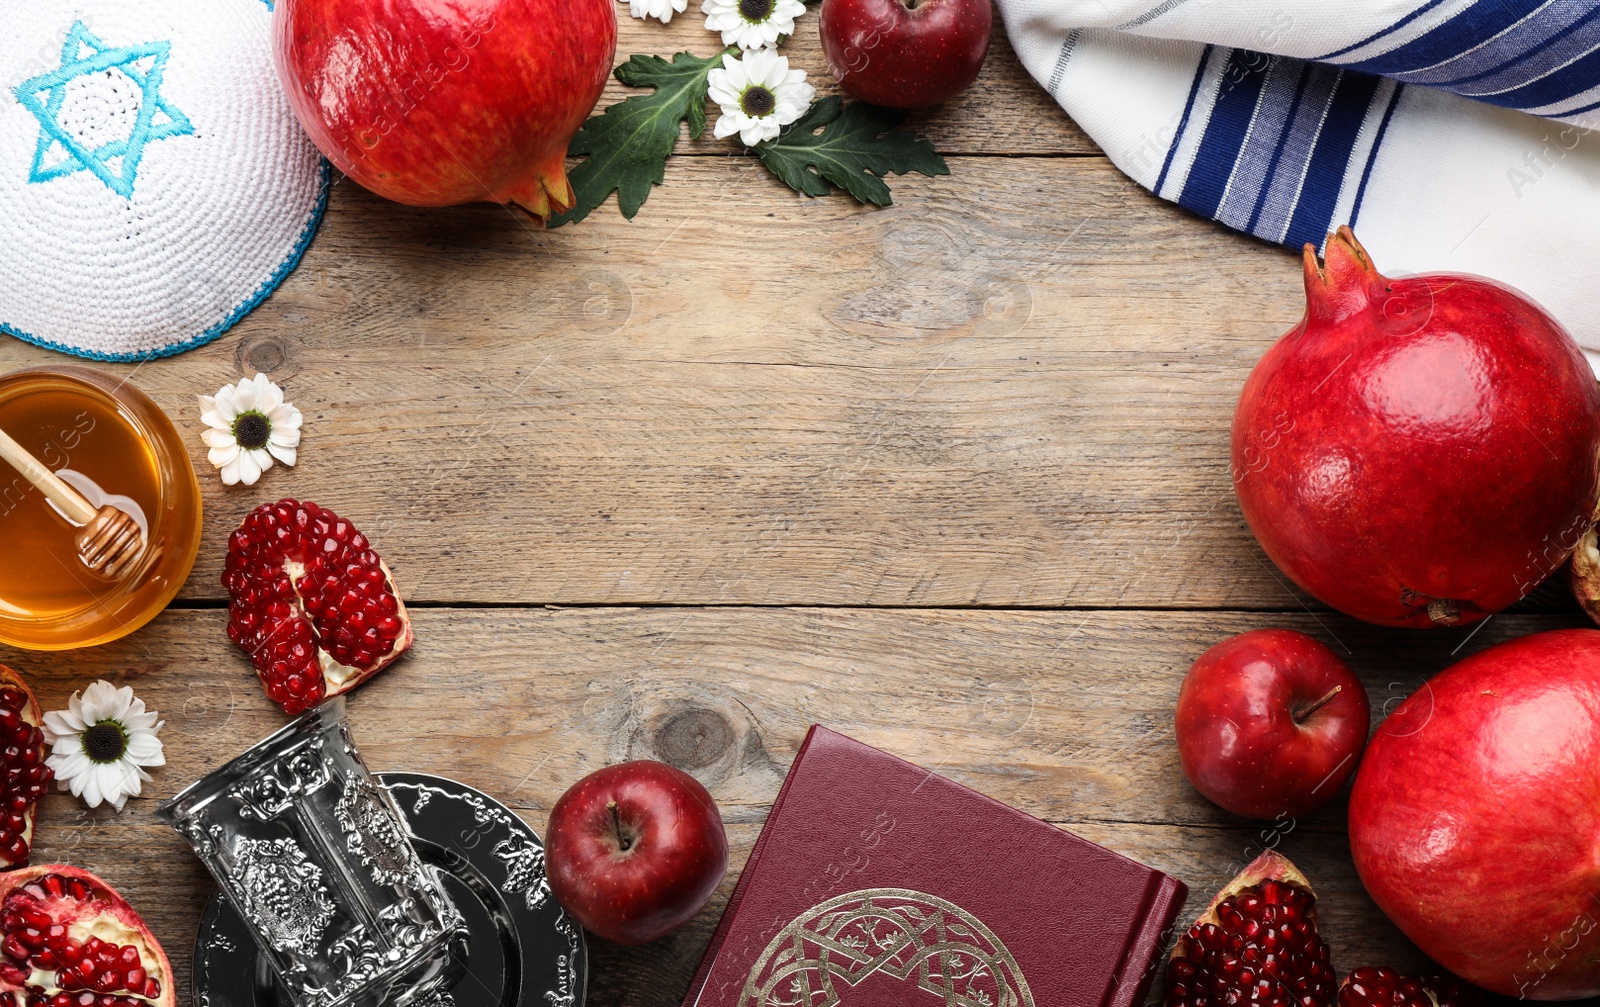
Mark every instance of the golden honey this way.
pixel 105 437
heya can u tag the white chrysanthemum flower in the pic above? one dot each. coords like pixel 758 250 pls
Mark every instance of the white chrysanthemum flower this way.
pixel 247 426
pixel 759 95
pixel 752 24
pixel 102 743
pixel 661 10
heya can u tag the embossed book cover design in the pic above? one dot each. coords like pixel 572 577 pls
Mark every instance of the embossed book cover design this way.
pixel 876 883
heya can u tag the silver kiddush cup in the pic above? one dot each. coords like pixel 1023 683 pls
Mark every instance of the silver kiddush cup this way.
pixel 312 853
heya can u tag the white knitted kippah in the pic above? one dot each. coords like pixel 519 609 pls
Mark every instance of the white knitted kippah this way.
pixel 154 185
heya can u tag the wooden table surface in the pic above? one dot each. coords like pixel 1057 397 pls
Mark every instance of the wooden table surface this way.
pixel 950 477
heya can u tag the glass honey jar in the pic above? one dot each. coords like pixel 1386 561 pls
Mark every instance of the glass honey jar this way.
pixel 111 443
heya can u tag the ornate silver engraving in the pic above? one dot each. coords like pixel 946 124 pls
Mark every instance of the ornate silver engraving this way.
pixel 201 834
pixel 274 791
pixel 360 959
pixel 373 837
pixel 320 869
pixel 358 951
pixel 283 894
pixel 524 859
pixel 566 993
pixel 525 874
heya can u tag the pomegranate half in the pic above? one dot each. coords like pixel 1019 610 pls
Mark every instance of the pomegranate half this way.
pixel 67 939
pixel 24 776
pixel 438 102
pixel 1418 451
pixel 1475 817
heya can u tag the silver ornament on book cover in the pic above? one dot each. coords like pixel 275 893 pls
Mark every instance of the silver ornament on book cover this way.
pixel 916 938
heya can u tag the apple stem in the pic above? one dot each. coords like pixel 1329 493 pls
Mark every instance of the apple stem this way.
pixel 1301 714
pixel 624 841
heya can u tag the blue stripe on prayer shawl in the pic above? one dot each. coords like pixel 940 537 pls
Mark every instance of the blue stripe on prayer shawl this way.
pixel 1183 123
pixel 1521 55
pixel 1372 155
pixel 1540 42
pixel 1330 162
pixel 1242 80
pixel 1284 129
pixel 1460 35
pixel 1425 8
pixel 1280 145
pixel 1552 89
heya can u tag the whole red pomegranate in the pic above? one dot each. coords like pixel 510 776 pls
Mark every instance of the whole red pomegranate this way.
pixel 1475 815
pixel 438 102
pixel 1419 451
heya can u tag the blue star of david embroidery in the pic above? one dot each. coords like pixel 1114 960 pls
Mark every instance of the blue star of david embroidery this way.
pixel 60 150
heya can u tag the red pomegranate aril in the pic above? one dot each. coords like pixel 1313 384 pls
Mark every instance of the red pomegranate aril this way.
pixel 24 779
pixel 1376 986
pixel 1256 944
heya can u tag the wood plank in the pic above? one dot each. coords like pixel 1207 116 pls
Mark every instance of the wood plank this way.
pixel 1004 112
pixel 150 865
pixel 1011 388
pixel 1066 715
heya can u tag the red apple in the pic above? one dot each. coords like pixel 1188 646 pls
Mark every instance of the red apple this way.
pixel 1474 819
pixel 635 850
pixel 905 53
pixel 1270 724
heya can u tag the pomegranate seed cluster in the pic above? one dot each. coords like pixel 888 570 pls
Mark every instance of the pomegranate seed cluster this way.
pixel 1371 986
pixel 340 603
pixel 26 777
pixel 1264 950
pixel 93 973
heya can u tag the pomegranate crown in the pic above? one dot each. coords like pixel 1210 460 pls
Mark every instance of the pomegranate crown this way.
pixel 1346 282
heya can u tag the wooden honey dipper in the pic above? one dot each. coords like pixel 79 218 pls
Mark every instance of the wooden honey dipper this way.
pixel 109 541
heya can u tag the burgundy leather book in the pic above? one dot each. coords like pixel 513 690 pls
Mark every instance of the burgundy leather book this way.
pixel 876 883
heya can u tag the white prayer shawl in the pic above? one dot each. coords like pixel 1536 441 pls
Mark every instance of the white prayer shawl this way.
pixel 1451 134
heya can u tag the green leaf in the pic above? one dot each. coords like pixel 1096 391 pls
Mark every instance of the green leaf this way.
pixel 625 149
pixel 851 146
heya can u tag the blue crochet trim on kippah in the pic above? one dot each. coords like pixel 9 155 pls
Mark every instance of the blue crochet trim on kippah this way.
pixel 262 293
